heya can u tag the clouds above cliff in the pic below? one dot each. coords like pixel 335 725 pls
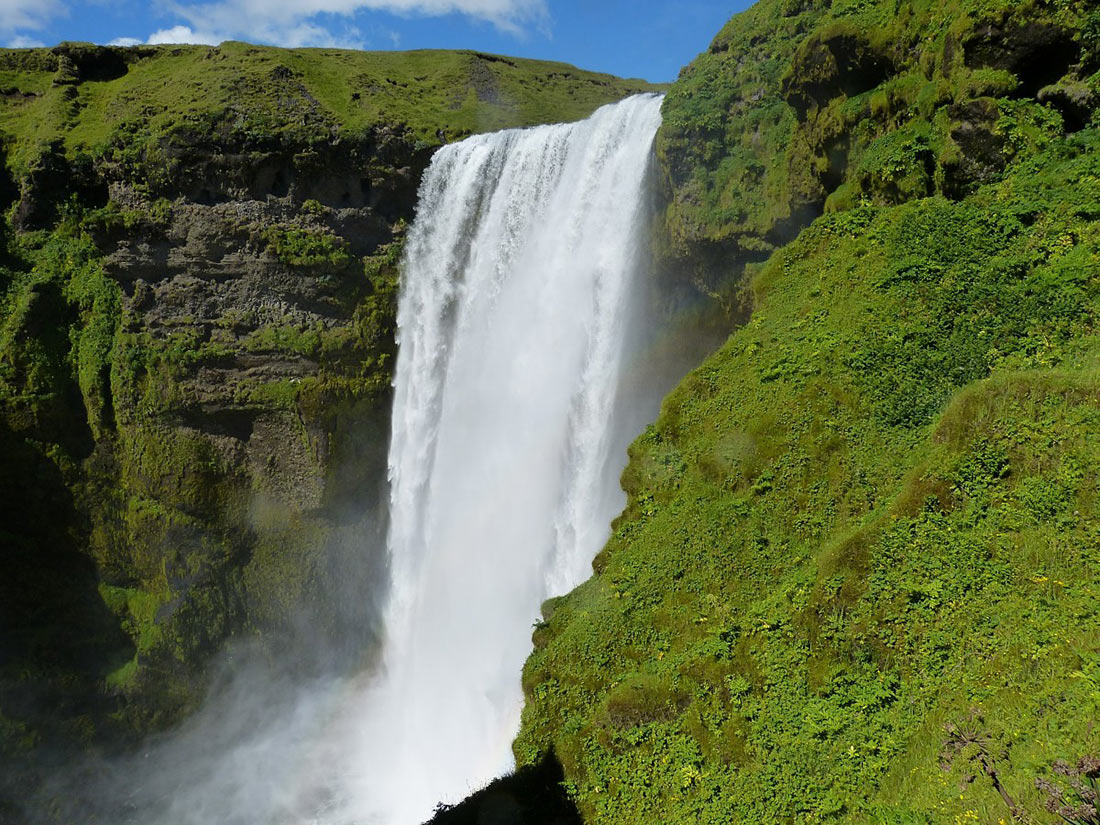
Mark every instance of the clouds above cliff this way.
pixel 20 17
pixel 296 23
pixel 280 22
pixel 651 39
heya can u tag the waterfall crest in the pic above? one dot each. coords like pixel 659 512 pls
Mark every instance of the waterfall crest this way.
pixel 513 319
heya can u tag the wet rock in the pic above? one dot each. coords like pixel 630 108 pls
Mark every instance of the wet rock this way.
pixel 982 149
pixel 843 62
pixel 1037 53
pixel 53 180
pixel 1075 101
pixel 532 796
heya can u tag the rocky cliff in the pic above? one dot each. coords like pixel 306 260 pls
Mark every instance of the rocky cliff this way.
pixel 198 286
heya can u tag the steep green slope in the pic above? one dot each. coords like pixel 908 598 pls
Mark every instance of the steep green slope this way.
pixel 857 577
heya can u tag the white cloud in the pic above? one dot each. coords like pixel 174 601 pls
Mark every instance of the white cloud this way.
pixel 303 34
pixel 299 22
pixel 28 14
pixel 21 41
pixel 183 34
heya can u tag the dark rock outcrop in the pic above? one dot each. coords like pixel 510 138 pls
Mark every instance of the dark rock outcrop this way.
pixel 533 795
pixel 840 62
pixel 1038 53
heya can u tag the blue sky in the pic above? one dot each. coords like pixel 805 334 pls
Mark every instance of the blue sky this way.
pixel 643 38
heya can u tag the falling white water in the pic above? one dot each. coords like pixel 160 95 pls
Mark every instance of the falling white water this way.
pixel 518 389
pixel 513 322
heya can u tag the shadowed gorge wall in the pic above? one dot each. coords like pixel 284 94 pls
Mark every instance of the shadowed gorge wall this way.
pixel 196 352
pixel 533 796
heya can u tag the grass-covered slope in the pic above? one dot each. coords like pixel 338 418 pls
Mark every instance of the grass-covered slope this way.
pixel 857 578
pixel 97 99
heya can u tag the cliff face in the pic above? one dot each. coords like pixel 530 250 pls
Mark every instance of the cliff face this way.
pixel 196 350
pixel 799 108
pixel 855 580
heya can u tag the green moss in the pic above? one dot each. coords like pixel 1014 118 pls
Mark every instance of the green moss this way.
pixel 137 608
pixel 270 394
pixel 124 678
pixel 285 571
pixel 300 340
pixel 61 314
pixel 307 248
pixel 870 513
pixel 15 737
pixel 801 105
pixel 97 299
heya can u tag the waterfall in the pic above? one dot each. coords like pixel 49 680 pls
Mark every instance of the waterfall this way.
pixel 518 390
pixel 519 277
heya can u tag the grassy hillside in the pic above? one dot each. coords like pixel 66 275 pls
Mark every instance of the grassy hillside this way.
pixel 97 99
pixel 857 577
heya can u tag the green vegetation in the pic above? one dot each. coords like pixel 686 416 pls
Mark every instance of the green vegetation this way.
pixel 857 577
pixel 802 105
pixel 301 247
pixel 873 510
pixel 130 104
